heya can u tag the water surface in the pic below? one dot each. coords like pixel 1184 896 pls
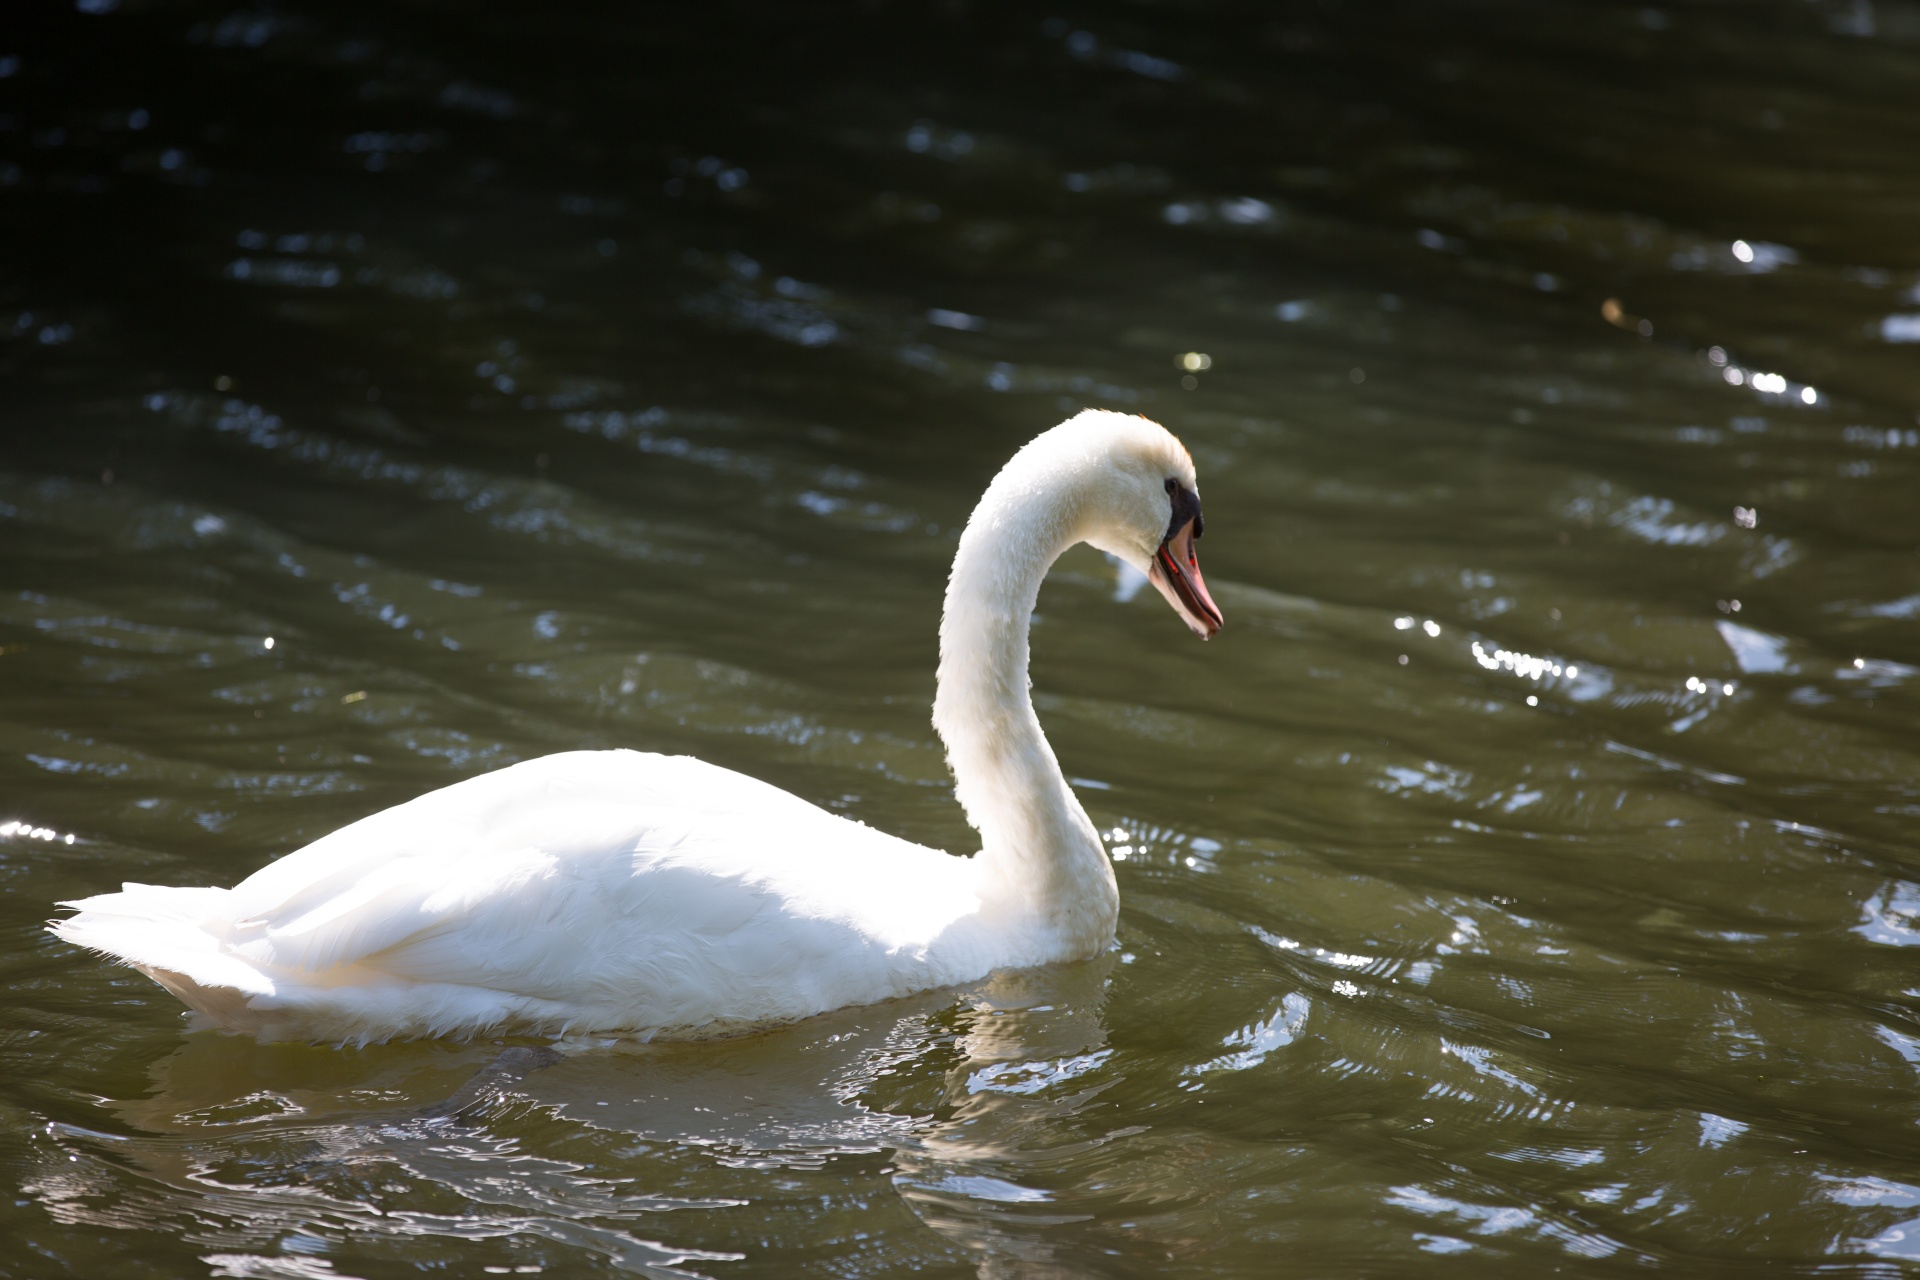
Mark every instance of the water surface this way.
pixel 1525 880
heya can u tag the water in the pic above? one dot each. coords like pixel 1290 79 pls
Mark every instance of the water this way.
pixel 1524 881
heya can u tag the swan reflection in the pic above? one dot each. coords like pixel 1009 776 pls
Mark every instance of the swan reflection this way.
pixel 907 1125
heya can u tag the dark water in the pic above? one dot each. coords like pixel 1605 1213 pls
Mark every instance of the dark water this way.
pixel 1525 881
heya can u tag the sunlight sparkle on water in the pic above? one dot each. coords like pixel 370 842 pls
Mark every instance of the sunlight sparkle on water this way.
pixel 1767 384
pixel 27 831
pixel 1524 665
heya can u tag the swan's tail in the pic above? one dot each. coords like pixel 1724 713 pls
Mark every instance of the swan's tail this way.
pixel 174 936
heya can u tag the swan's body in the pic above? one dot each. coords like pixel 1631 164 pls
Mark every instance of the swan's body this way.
pixel 622 892
pixel 593 889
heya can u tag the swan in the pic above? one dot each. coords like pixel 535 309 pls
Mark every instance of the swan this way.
pixel 632 894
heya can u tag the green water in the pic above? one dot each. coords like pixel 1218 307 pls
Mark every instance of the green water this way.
pixel 1526 880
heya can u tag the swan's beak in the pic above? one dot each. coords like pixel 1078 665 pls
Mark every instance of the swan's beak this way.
pixel 1176 573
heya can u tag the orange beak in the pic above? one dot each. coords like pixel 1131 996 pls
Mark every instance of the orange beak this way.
pixel 1176 574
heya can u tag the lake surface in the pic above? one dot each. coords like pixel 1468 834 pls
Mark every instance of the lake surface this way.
pixel 1525 881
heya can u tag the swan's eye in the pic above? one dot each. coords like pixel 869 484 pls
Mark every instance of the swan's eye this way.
pixel 1186 507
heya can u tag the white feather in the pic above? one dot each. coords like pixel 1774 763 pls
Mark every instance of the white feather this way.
pixel 618 891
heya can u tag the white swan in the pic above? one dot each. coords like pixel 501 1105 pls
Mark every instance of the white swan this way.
pixel 624 892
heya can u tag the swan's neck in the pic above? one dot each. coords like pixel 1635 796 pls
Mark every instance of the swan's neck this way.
pixel 1041 861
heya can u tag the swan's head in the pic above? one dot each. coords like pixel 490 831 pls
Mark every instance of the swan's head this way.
pixel 1145 508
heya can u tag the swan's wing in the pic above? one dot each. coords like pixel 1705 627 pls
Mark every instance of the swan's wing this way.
pixel 613 871
pixel 444 827
pixel 549 875
pixel 684 930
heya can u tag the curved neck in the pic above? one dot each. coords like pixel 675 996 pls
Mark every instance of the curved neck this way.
pixel 1040 858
